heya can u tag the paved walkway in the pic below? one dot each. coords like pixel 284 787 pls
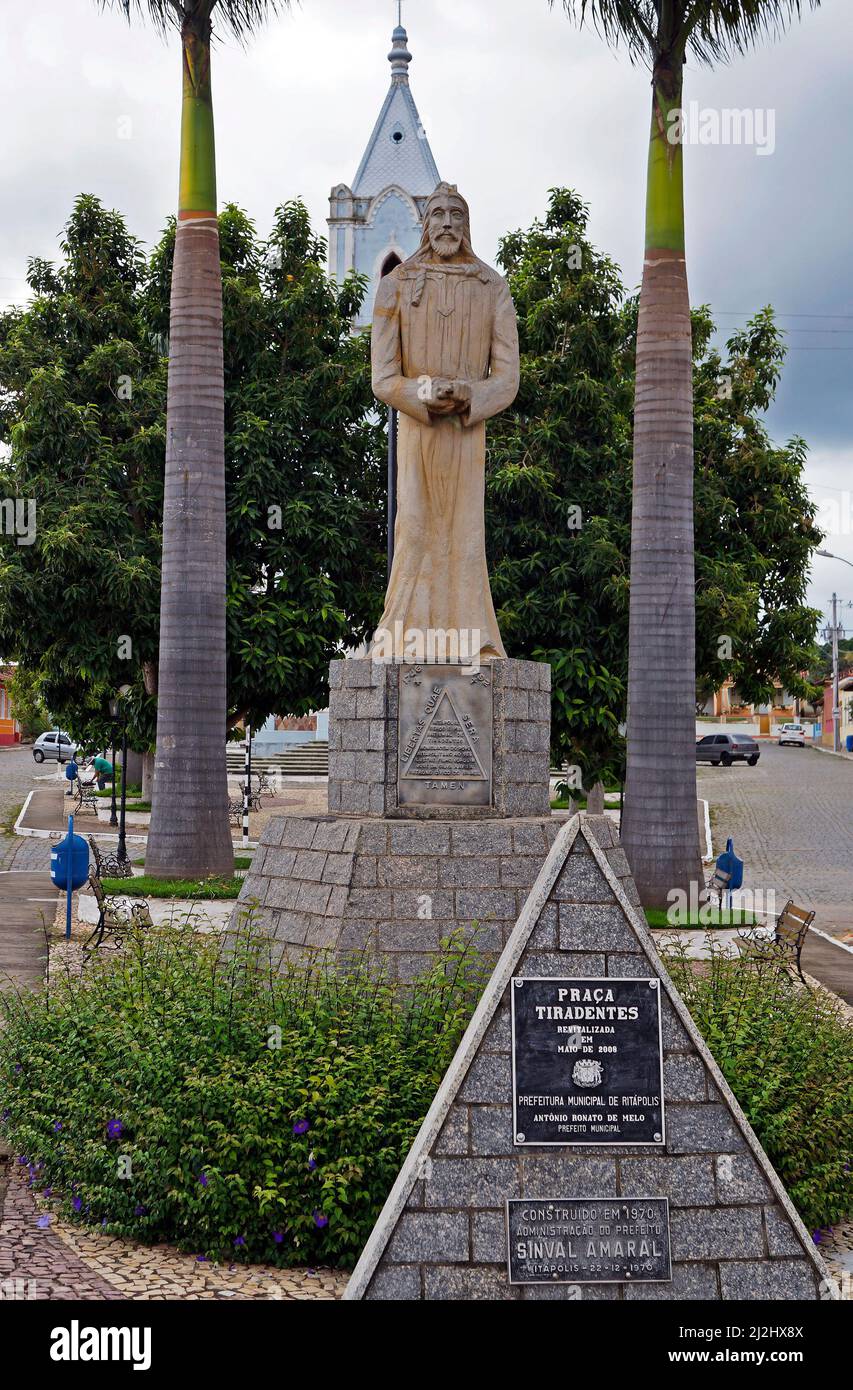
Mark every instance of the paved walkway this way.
pixel 27 903
pixel 791 817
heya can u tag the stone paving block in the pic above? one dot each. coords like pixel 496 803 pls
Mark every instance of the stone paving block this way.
pixel 590 927
pixel 433 1236
pixel 309 864
pixel 453 1138
pixel 701 1129
pixel 485 838
pixel 781 1239
pixel 739 1179
pixel 419 838
pixel 467 1284
pixel 581 1176
pixel 687 1182
pixel 520 871
pixel 491 1129
pixel 486 1081
pixel 716 1233
pixel 488 1237
pixel 690 1283
pixel 767 1280
pixel 684 1078
pixel 400 1283
pixel 481 904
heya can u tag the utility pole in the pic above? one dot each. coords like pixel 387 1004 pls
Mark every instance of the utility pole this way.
pixel 836 712
pixel 830 634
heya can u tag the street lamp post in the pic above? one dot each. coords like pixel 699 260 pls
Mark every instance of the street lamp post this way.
pixel 118 711
pixel 113 816
pixel 831 634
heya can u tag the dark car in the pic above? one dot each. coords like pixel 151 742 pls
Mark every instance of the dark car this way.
pixel 727 749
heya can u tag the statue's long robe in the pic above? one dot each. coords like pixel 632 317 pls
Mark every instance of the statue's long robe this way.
pixel 463 327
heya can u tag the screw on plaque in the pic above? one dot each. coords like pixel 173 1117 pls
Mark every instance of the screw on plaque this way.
pixel 519 1139
pixel 518 983
pixel 653 984
pixel 658 1138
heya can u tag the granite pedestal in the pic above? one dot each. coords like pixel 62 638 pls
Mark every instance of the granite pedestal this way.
pixel 396 877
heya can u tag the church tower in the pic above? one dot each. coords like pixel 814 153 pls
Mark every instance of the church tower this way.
pixel 377 223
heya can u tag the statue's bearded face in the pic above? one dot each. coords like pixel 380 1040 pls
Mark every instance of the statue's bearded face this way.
pixel 446 227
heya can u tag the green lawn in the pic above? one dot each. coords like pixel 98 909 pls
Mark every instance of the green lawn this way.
pixel 145 887
pixel 657 918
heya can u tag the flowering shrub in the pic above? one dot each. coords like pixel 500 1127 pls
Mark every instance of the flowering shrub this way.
pixel 183 1093
pixel 787 1054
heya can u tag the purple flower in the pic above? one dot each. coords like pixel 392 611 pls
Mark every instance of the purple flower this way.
pixel 43 1222
pixel 202 1177
pixel 77 1204
pixel 816 1237
pixel 22 1158
pixel 301 1127
pixel 201 1259
pixel 5 1115
pixel 57 1127
pixel 114 1129
pixel 277 1237
pixel 17 1066
pixel 139 1210
pixel 320 1220
pixel 312 1163
pixel 239 1240
pixel 47 1192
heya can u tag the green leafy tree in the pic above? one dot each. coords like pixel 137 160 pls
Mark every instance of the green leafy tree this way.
pixel 659 826
pixel 189 832
pixel 82 407
pixel 559 496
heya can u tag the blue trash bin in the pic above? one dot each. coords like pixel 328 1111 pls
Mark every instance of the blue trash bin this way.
pixel 73 847
pixel 849 742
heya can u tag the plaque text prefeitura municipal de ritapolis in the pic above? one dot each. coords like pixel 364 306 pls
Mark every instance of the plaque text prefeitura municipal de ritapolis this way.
pixel 587 1061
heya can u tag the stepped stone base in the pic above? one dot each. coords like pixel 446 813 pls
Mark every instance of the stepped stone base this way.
pixel 394 888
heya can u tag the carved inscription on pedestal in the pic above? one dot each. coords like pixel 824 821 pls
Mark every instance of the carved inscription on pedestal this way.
pixel 444 736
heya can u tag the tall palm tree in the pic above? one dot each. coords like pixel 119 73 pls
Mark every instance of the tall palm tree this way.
pixel 190 835
pixel 659 822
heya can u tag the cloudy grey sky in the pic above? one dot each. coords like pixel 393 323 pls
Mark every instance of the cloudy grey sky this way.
pixel 514 100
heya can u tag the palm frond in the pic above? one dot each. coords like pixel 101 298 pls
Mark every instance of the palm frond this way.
pixel 237 17
pixel 716 30
pixel 633 23
pixel 708 30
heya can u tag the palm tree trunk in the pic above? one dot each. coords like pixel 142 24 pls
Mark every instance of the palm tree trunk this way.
pixel 190 834
pixel 660 828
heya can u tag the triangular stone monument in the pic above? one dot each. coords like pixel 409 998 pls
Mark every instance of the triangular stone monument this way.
pixel 583 1144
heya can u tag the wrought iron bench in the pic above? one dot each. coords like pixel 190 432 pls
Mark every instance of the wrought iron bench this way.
pixel 84 793
pixel 790 930
pixel 109 865
pixel 116 916
pixel 718 883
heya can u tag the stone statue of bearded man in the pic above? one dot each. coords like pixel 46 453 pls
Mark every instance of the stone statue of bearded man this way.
pixel 445 354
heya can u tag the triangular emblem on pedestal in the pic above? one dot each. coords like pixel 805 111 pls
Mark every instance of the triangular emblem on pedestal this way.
pixel 444 746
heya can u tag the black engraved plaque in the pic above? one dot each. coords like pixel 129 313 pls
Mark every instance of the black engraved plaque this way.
pixel 444 736
pixel 587 1061
pixel 588 1240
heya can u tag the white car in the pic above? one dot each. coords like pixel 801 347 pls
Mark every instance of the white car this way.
pixel 792 733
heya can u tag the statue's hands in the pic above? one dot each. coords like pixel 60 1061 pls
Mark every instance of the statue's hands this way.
pixel 461 396
pixel 449 397
pixel 441 400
